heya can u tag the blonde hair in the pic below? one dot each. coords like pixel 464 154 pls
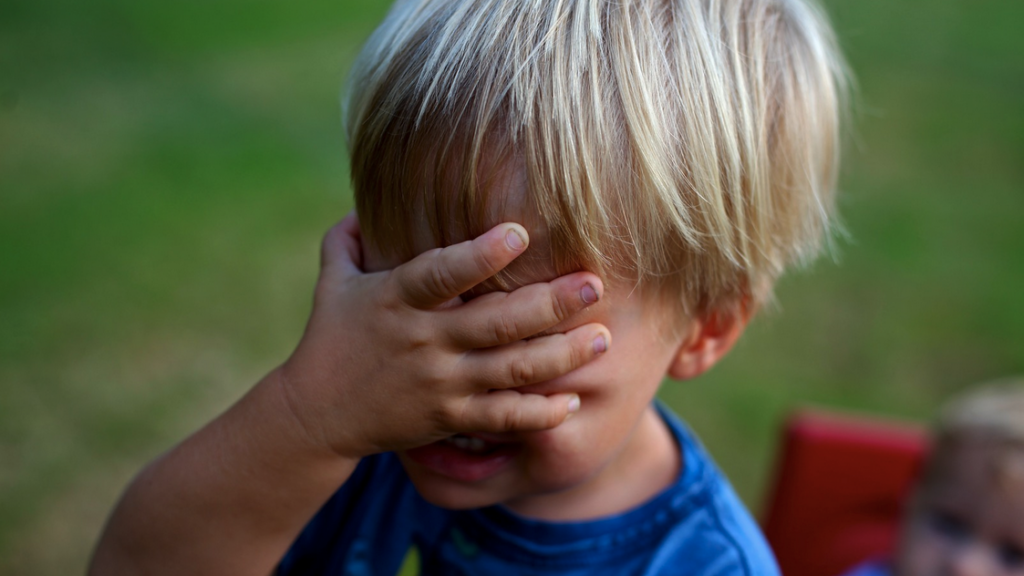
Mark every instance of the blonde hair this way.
pixel 991 415
pixel 687 144
pixel 995 409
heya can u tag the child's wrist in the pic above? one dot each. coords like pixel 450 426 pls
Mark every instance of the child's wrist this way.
pixel 301 420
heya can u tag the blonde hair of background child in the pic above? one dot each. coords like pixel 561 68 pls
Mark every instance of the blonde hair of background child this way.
pixel 993 413
pixel 688 145
pixel 996 408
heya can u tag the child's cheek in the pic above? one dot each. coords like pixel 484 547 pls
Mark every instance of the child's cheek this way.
pixel 567 455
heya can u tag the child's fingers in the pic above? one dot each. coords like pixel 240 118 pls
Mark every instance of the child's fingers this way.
pixel 341 248
pixel 535 361
pixel 437 276
pixel 502 318
pixel 511 411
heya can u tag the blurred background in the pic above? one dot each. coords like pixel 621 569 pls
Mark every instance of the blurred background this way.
pixel 167 170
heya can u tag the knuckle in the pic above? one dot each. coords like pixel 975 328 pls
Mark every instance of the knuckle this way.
pixel 446 416
pixel 435 375
pixel 574 357
pixel 560 309
pixel 506 330
pixel 553 418
pixel 485 261
pixel 441 280
pixel 450 415
pixel 418 335
pixel 493 419
pixel 521 371
pixel 512 419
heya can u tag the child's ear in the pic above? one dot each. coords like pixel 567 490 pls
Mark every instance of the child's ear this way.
pixel 710 337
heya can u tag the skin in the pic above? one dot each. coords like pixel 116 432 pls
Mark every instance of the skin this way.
pixel 389 361
pixel 616 452
pixel 613 454
pixel 968 519
pixel 405 354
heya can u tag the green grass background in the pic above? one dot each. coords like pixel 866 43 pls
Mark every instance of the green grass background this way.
pixel 167 168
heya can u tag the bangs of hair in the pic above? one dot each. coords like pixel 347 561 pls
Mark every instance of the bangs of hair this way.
pixel 686 144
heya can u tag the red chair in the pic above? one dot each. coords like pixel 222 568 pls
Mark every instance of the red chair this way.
pixel 839 490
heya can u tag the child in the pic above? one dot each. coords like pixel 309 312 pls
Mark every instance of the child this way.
pixel 967 515
pixel 489 405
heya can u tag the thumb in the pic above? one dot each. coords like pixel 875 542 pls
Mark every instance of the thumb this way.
pixel 341 249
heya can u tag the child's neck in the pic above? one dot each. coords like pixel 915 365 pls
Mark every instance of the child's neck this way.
pixel 648 462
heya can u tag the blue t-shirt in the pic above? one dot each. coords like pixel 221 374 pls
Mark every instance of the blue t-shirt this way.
pixel 697 526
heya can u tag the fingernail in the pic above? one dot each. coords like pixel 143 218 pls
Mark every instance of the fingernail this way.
pixel 574 404
pixel 588 294
pixel 600 344
pixel 514 240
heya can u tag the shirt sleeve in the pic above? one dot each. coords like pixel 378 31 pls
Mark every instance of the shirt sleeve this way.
pixel 332 525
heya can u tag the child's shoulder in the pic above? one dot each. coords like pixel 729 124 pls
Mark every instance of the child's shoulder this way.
pixel 696 526
pixel 713 525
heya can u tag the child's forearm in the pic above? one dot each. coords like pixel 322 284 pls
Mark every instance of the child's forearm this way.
pixel 228 500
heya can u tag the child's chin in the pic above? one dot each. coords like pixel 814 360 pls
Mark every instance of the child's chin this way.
pixel 451 495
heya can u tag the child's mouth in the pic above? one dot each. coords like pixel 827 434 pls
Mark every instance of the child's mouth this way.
pixel 468 443
pixel 465 457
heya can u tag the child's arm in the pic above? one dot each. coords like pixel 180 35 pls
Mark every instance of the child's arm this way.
pixel 389 361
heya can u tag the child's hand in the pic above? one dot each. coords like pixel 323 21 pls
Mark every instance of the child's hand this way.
pixel 393 360
pixel 390 360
